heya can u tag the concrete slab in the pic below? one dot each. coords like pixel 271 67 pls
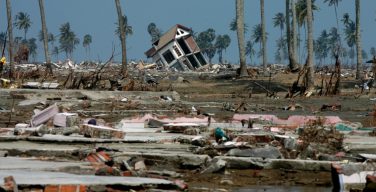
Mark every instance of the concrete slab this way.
pixel 28 177
pixel 14 163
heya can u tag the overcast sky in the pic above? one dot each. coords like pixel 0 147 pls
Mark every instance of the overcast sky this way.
pixel 98 17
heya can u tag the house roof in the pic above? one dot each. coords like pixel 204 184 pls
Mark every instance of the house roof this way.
pixel 165 39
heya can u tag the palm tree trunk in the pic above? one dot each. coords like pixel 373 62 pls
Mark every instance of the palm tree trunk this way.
pixel 310 71
pixel 263 36
pixel 294 37
pixel 10 35
pixel 240 34
pixel 122 39
pixel 358 41
pixel 45 38
pixel 293 65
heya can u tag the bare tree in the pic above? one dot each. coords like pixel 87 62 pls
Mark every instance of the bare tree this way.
pixel 10 35
pixel 240 34
pixel 264 53
pixel 309 76
pixel 358 41
pixel 45 38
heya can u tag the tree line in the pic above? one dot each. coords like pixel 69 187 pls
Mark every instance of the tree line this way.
pixel 290 45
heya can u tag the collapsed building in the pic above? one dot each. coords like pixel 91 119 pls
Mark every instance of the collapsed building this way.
pixel 177 50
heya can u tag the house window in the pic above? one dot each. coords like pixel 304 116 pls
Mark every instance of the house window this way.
pixel 168 56
pixel 177 50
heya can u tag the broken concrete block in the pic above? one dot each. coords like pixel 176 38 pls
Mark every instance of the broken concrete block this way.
pixel 140 166
pixel 199 141
pixel 66 119
pixel 50 85
pixel 268 152
pixel 21 125
pixel 95 131
pixel 44 115
pixel 216 165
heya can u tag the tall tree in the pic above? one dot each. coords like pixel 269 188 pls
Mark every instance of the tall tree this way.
pixel 45 38
pixel 10 37
pixel 154 32
pixel 68 40
pixel 86 43
pixel 221 43
pixel 257 37
pixel 294 34
pixel 309 78
pixel 123 39
pixel 23 22
pixel 264 52
pixel 240 35
pixel 293 64
pixel 358 41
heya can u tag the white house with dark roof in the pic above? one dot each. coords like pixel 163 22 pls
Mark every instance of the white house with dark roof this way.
pixel 177 49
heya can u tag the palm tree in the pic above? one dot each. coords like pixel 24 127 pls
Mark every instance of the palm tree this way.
pixel 154 32
pixel 257 36
pixel 205 41
pixel 291 43
pixel 322 46
pixel 263 33
pixel 358 40
pixel 279 20
pixel 10 36
pixel 45 38
pixel 23 22
pixel 32 45
pixel 123 38
pixel 240 34
pixel 86 43
pixel 68 40
pixel 309 78
pixel 249 50
pixel 221 43
pixel 335 4
pixel 338 42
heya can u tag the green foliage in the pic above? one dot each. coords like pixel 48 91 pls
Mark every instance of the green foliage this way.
pixel 233 26
pixel 23 22
pixel 205 40
pixel 301 10
pixel 221 43
pixel 32 45
pixel 279 20
pixel 250 50
pixel 87 40
pixel 128 29
pixel 154 32
pixel 68 39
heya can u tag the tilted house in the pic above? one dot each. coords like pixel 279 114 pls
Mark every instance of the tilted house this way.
pixel 176 49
